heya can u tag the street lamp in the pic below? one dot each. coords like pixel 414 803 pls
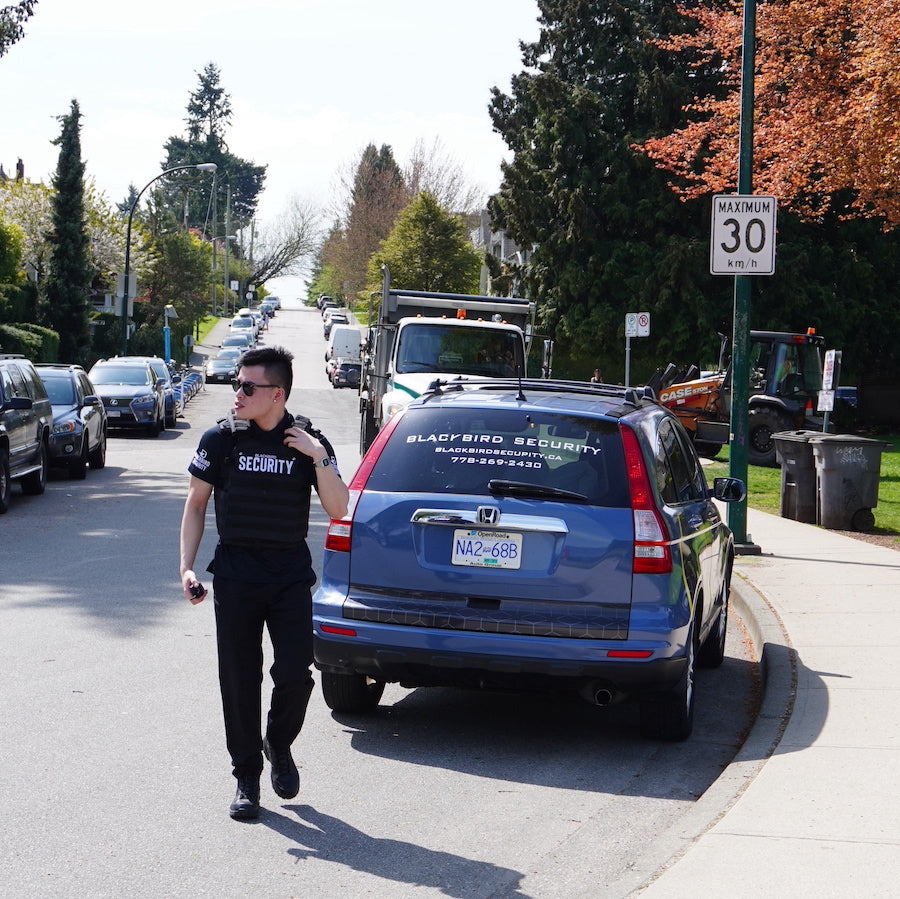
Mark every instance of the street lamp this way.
pixel 201 166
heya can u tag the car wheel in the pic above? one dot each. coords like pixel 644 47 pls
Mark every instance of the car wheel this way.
pixel 671 717
pixel 763 423
pixel 33 484
pixel 78 467
pixel 171 418
pixel 351 692
pixel 5 485
pixel 155 429
pixel 712 653
pixel 98 455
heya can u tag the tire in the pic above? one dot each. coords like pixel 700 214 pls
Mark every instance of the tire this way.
pixel 172 418
pixel 78 467
pixel 762 424
pixel 712 651
pixel 97 457
pixel 5 483
pixel 671 717
pixel 354 693
pixel 706 449
pixel 368 431
pixel 34 484
pixel 155 429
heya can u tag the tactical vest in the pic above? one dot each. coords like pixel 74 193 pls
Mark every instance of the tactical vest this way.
pixel 265 498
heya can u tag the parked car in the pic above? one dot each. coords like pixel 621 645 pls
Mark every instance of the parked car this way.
pixel 245 324
pixel 346 374
pixel 275 302
pixel 266 307
pixel 26 419
pixel 173 398
pixel 78 438
pixel 336 318
pixel 223 367
pixel 529 535
pixel 244 340
pixel 132 394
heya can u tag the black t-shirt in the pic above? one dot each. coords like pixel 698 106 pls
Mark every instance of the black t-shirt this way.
pixel 262 492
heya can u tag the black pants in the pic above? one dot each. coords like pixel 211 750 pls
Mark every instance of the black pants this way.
pixel 242 609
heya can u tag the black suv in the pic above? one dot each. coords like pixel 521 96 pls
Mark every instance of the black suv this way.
pixel 26 418
pixel 79 431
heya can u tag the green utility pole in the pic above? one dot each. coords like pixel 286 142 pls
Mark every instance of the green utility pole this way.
pixel 740 359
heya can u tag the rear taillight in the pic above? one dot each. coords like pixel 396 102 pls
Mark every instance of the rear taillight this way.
pixel 340 530
pixel 652 554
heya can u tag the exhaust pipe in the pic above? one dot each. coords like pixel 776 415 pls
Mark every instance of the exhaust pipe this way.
pixel 596 694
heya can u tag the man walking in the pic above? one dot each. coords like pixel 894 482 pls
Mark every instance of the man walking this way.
pixel 260 465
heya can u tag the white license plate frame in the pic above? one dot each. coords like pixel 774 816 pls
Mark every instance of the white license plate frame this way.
pixel 475 548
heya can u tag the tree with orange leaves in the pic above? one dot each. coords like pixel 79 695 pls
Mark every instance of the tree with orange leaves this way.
pixel 826 119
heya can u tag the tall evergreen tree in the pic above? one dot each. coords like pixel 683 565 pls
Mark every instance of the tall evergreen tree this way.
pixel 609 237
pixel 208 118
pixel 377 197
pixel 66 289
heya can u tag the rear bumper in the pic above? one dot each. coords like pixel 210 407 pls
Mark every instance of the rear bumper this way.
pixel 469 665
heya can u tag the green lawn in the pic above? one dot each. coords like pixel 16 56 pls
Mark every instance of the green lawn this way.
pixel 764 486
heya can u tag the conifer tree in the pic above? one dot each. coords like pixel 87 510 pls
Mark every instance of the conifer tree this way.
pixel 608 236
pixel 66 290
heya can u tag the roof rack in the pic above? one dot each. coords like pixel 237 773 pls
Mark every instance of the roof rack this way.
pixel 633 396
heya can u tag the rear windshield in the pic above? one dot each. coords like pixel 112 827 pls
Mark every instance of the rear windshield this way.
pixel 438 451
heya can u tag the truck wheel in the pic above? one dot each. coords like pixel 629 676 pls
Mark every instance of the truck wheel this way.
pixel 762 424
pixel 706 449
pixel 353 693
pixel 367 431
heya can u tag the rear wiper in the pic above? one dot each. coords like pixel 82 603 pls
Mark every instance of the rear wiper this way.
pixel 538 491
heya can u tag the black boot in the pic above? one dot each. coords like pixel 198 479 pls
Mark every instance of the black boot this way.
pixel 245 806
pixel 285 779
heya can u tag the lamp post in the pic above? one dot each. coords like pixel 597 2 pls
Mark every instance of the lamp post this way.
pixel 201 166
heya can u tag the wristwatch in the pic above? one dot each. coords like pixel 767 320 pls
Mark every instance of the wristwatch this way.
pixel 323 463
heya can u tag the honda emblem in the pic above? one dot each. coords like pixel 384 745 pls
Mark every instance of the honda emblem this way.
pixel 488 514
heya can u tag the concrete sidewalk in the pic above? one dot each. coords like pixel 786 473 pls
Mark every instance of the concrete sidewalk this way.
pixel 818 780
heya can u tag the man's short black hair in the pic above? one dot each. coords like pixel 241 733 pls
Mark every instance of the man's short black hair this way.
pixel 276 361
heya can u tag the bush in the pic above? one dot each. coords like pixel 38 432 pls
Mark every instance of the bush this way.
pixel 32 341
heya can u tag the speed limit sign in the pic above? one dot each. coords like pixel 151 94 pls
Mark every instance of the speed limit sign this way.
pixel 743 235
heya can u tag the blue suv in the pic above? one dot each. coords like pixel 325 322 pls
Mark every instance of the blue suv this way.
pixel 529 535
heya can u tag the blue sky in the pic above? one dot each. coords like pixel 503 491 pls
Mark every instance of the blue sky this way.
pixel 311 83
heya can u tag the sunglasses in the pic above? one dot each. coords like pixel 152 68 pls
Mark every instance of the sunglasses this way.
pixel 249 387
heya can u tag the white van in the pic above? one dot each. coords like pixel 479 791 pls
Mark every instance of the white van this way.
pixel 343 343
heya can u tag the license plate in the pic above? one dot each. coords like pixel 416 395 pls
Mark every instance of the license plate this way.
pixel 487 549
pixel 113 413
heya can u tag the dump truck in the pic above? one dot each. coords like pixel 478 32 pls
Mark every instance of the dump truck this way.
pixel 416 337
pixel 785 380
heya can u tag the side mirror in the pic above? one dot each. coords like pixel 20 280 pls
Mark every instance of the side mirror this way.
pixel 91 400
pixel 20 403
pixel 729 490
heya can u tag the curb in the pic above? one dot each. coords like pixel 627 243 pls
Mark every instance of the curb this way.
pixel 778 671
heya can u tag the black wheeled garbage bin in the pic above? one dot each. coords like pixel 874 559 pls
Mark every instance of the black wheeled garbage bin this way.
pixel 848 471
pixel 798 474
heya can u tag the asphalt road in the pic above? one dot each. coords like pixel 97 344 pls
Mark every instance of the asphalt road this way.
pixel 117 781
